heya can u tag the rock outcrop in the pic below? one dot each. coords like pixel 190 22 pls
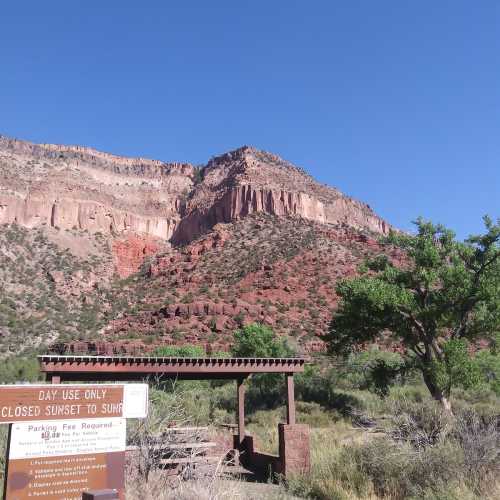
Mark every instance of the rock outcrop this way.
pixel 72 187
pixel 243 200
pixel 129 253
pixel 247 181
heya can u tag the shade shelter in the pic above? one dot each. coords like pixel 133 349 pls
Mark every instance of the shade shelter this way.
pixel 83 368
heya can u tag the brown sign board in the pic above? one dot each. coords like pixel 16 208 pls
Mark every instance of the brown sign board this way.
pixel 24 403
pixel 60 459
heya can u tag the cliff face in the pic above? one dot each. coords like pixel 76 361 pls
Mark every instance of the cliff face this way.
pixel 248 181
pixel 243 200
pixel 71 213
pixel 72 187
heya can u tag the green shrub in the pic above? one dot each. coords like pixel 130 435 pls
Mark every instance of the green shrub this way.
pixel 259 341
pixel 19 369
pixel 376 370
pixel 185 351
pixel 488 364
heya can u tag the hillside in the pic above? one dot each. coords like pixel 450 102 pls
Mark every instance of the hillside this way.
pixel 133 252
pixel 262 268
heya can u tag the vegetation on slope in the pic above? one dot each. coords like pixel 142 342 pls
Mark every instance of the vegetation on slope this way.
pixel 48 292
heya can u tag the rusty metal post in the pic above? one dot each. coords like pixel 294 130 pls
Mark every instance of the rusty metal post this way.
pixel 241 409
pixel 290 401
pixel 100 495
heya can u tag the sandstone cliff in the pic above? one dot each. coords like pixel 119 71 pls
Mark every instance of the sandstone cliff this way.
pixel 79 188
pixel 72 187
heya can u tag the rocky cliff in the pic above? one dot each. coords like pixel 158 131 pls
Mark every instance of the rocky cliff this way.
pixel 75 187
pixel 71 187
pixel 248 181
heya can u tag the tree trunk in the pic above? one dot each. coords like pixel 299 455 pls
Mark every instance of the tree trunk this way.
pixel 446 404
pixel 437 393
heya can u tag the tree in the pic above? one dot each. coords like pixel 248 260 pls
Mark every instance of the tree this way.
pixel 444 294
pixel 259 341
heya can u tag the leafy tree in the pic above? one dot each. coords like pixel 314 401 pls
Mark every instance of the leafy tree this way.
pixel 266 390
pixel 445 293
pixel 187 351
pixel 259 341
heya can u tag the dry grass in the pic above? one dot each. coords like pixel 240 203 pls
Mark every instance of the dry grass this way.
pixel 213 487
pixel 461 463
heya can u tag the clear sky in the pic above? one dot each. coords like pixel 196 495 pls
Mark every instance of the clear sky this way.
pixel 396 103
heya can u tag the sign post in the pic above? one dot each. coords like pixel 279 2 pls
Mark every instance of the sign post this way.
pixel 66 439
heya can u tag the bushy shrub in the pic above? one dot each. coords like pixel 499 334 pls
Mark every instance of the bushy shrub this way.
pixel 420 424
pixel 19 369
pixel 259 341
pixel 479 440
pixel 397 470
pixel 184 351
pixel 376 370
pixel 488 363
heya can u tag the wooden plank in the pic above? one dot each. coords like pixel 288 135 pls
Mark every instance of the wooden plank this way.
pixel 189 460
pixel 190 446
pixel 131 368
pixel 240 387
pixel 186 429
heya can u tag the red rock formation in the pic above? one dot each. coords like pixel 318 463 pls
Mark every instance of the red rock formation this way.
pixel 129 253
pixel 280 271
pixel 248 181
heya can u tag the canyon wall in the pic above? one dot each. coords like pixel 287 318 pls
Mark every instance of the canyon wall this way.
pixel 243 200
pixel 81 215
pixel 72 187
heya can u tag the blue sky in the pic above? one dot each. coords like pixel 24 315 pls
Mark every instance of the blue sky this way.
pixel 395 103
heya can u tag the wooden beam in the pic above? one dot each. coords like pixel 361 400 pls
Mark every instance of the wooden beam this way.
pixel 127 367
pixel 290 401
pixel 240 387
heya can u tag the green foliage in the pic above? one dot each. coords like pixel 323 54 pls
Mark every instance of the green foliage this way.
pixel 445 290
pixel 184 351
pixel 259 341
pixel 19 369
pixel 377 370
pixel 456 368
pixel 488 363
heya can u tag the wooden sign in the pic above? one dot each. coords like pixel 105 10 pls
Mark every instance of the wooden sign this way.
pixel 24 403
pixel 60 459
